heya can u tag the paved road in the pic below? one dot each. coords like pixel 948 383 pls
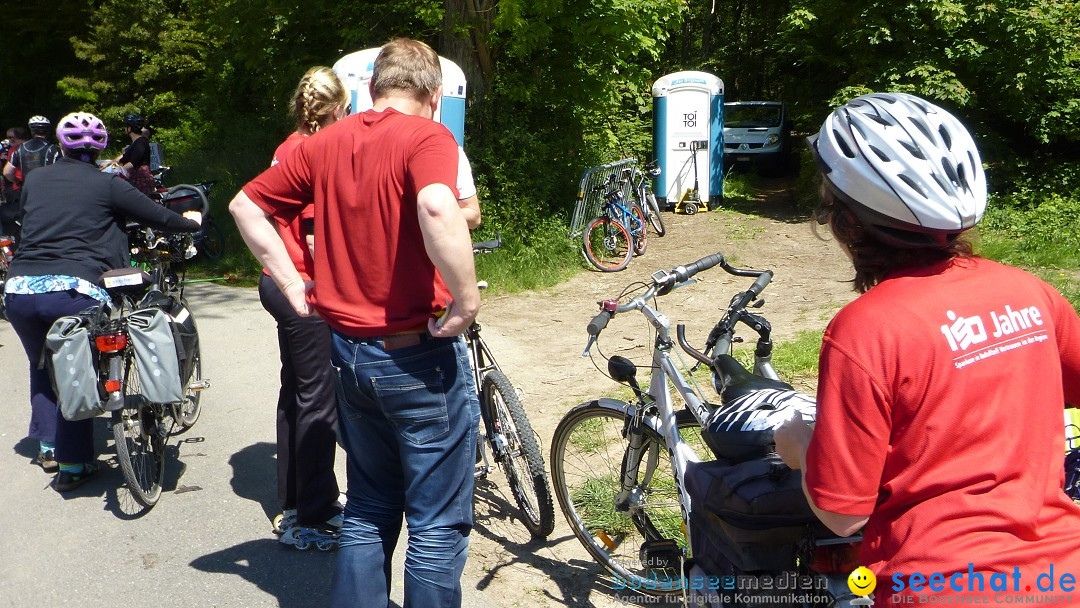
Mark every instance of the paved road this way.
pixel 208 541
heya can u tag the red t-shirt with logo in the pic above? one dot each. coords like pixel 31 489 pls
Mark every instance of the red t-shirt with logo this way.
pixel 940 415
pixel 289 223
pixel 362 174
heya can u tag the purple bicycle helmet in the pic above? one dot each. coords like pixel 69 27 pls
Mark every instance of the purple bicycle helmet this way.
pixel 82 131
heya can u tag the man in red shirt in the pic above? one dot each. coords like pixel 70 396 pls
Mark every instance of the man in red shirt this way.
pixel 394 279
pixel 939 422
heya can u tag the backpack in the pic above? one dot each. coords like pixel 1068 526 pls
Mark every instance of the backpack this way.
pixel 40 155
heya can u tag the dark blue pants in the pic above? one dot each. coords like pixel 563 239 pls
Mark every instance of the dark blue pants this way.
pixel 31 316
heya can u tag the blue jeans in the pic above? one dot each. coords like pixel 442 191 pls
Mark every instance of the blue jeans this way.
pixel 408 419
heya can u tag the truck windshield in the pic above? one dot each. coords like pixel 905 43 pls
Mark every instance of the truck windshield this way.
pixel 748 117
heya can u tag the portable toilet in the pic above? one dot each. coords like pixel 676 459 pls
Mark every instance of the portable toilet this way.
pixel 355 70
pixel 688 123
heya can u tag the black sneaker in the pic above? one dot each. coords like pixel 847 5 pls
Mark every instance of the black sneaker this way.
pixel 47 461
pixel 66 481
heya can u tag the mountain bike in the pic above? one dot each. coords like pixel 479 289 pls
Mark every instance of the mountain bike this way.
pixel 619 468
pixel 141 428
pixel 507 433
pixel 616 235
pixel 643 195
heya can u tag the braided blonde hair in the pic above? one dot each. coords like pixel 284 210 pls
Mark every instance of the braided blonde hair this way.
pixel 318 96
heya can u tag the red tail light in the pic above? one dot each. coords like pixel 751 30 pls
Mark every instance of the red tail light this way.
pixel 113 386
pixel 6 242
pixel 111 343
pixel 839 558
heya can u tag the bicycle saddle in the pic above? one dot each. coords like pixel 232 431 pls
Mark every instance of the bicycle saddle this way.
pixel 742 428
pixel 731 380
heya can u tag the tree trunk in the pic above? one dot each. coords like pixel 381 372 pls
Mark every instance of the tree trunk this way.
pixel 464 40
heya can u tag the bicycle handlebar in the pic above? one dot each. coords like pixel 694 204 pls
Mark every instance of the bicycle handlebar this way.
pixel 665 281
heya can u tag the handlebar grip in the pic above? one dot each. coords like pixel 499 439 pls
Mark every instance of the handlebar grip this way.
pixel 682 273
pixel 598 323
pixel 761 283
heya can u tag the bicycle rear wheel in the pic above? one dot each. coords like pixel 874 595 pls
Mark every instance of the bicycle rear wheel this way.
pixel 139 432
pixel 587 456
pixel 607 244
pixel 520 456
pixel 656 220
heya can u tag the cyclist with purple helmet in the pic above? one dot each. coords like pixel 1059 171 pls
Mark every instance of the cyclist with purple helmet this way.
pixel 73 231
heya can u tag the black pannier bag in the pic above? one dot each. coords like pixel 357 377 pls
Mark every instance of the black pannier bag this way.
pixel 749 514
pixel 183 326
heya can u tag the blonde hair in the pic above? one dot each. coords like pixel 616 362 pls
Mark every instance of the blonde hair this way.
pixel 406 66
pixel 319 94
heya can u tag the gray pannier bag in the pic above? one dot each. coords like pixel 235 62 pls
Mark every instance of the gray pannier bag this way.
pixel 151 335
pixel 70 354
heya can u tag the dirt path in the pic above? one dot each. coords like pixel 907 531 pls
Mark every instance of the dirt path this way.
pixel 538 338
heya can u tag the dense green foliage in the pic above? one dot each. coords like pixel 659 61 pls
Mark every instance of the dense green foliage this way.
pixel 557 86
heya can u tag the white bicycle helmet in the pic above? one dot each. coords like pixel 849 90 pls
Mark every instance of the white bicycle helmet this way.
pixel 743 428
pixel 39 124
pixel 907 168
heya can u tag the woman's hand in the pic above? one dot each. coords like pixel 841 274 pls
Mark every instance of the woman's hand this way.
pixel 792 439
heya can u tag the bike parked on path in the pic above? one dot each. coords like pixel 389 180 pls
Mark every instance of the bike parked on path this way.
pixel 507 433
pixel 621 468
pixel 616 235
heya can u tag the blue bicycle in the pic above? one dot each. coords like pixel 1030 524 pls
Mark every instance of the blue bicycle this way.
pixel 618 233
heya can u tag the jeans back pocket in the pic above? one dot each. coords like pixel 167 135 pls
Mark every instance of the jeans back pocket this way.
pixel 415 403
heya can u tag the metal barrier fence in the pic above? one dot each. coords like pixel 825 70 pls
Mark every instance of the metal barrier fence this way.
pixel 591 190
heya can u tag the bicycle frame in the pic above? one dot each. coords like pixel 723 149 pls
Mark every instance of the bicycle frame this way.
pixel 616 210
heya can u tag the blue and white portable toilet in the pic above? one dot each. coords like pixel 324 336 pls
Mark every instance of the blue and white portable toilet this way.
pixel 688 123
pixel 355 70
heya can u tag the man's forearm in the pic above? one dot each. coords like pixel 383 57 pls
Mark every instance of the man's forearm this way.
pixel 263 240
pixel 446 238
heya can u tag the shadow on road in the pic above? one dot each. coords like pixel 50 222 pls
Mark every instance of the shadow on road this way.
pixel 255 476
pixel 297 579
pixel 570 583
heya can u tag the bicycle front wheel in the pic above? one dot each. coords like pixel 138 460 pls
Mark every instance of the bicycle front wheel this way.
pixel 188 413
pixel 607 246
pixel 656 220
pixel 640 232
pixel 588 453
pixel 519 455
pixel 138 430
pixel 209 240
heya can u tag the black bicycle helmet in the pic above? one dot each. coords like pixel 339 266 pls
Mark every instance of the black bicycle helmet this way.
pixel 135 121
pixel 907 168
pixel 743 428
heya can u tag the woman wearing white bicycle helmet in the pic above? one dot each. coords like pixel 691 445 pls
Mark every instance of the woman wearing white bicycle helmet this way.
pixel 74 228
pixel 939 417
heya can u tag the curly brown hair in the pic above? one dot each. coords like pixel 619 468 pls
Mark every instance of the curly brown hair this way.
pixel 873 259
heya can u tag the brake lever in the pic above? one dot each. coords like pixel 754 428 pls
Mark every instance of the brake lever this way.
pixel 588 346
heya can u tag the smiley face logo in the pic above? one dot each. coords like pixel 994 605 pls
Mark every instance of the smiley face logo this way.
pixel 862 581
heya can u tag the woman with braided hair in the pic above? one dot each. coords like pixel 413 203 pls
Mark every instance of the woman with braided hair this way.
pixel 307 402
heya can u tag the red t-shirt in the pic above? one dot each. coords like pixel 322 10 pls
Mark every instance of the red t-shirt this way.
pixel 940 414
pixel 289 222
pixel 362 174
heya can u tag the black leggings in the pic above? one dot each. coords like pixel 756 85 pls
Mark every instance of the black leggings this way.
pixel 306 411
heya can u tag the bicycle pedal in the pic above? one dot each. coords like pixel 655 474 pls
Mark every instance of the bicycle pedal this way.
pixel 661 554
